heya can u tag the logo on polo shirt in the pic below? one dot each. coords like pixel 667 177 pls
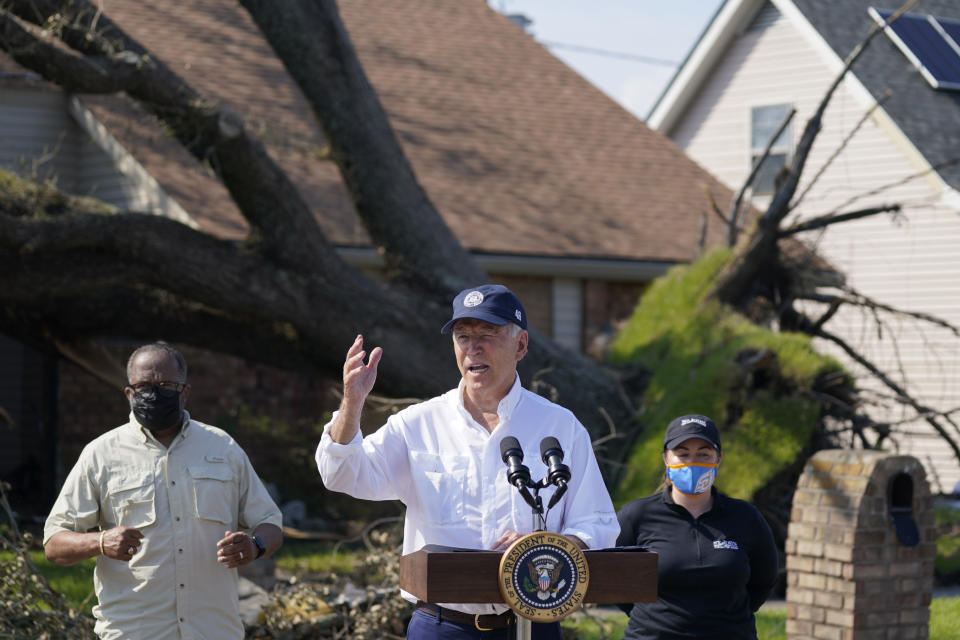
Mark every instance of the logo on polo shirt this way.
pixel 472 299
pixel 726 544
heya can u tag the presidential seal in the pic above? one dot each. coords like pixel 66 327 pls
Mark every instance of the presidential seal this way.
pixel 543 576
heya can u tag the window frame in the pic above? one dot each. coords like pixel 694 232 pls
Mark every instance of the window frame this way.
pixel 780 152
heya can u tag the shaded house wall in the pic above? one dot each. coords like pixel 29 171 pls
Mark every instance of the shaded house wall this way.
pixel 28 384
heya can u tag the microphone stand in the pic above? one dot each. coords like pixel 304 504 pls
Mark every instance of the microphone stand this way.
pixel 524 627
pixel 519 477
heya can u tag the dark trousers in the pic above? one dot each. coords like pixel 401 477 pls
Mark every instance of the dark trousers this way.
pixel 423 626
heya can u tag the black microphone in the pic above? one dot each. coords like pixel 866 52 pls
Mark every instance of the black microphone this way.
pixel 552 456
pixel 557 473
pixel 512 455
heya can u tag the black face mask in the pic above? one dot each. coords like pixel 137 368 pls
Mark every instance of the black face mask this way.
pixel 156 411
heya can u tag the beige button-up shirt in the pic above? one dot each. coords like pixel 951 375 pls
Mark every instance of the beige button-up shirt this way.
pixel 183 499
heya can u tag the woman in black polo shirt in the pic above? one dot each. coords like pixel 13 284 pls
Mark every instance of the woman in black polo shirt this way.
pixel 717 558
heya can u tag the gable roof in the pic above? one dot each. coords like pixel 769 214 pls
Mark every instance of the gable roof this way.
pixel 520 154
pixel 928 118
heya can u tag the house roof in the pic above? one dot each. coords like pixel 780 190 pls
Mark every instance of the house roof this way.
pixel 520 154
pixel 929 118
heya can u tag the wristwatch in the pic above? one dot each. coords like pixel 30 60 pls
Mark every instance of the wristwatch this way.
pixel 261 548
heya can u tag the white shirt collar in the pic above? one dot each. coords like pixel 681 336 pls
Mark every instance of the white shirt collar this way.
pixel 143 434
pixel 507 404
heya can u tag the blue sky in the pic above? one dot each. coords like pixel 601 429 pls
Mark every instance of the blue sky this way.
pixel 659 29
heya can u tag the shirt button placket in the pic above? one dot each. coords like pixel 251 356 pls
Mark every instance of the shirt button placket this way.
pixel 179 561
pixel 485 498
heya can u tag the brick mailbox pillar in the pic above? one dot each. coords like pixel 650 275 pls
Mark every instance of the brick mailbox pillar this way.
pixel 860 548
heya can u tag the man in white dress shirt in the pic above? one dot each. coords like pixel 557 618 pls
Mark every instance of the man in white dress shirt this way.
pixel 442 459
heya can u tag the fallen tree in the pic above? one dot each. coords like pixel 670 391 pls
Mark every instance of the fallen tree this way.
pixel 75 271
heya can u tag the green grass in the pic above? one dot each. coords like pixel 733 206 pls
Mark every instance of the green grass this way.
pixel 771 623
pixel 945 619
pixel 948 541
pixel 315 557
pixel 948 554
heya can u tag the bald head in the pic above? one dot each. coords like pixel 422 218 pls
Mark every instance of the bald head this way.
pixel 158 350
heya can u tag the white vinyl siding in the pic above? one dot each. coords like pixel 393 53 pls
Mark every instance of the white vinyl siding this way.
pixel 115 176
pixel 45 134
pixel 36 136
pixel 908 261
pixel 568 312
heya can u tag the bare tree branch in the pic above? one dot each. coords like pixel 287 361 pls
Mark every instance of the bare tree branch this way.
pixel 735 206
pixel 902 394
pixel 873 192
pixel 829 313
pixel 824 221
pixel 836 152
pixel 713 204
pixel 104 74
pixel 858 299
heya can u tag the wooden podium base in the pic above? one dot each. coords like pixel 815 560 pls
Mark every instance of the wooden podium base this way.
pixel 436 574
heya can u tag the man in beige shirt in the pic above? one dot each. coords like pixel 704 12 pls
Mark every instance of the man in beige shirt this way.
pixel 170 507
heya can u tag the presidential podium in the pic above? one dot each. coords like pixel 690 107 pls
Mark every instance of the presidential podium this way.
pixel 435 575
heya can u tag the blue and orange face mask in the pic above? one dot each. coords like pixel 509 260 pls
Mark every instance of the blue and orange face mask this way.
pixel 692 478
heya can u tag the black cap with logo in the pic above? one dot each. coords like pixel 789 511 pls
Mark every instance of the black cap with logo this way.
pixel 691 426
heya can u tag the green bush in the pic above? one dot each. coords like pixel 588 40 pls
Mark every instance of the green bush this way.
pixel 696 349
pixel 947 521
pixel 74 583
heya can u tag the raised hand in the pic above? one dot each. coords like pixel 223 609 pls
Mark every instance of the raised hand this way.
pixel 359 377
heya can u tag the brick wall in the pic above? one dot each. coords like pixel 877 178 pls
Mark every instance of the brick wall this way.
pixel 848 576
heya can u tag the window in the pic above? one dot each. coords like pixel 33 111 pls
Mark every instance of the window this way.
pixel 763 124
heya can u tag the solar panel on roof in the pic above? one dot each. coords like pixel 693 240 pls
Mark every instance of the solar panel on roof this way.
pixel 930 45
pixel 952 30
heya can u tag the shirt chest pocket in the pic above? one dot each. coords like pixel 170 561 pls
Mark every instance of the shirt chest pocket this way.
pixel 131 499
pixel 213 492
pixel 439 482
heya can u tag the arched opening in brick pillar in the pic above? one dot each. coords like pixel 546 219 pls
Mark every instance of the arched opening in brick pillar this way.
pixel 900 500
pixel 849 575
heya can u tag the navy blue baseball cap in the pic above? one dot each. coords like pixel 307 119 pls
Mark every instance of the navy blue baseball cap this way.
pixel 492 303
pixel 693 426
